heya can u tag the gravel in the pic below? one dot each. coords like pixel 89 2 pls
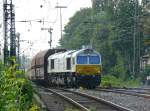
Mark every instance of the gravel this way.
pixel 132 102
pixel 53 102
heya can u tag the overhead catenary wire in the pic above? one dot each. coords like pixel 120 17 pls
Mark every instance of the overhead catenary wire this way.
pixel 46 17
pixel 48 14
pixel 36 20
pixel 69 3
pixel 42 19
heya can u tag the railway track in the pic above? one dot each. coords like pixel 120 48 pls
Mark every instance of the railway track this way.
pixel 144 88
pixel 85 102
pixel 133 92
pixel 52 101
pixel 137 101
pixel 131 89
pixel 136 90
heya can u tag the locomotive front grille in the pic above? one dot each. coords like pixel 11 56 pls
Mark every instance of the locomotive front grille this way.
pixel 88 69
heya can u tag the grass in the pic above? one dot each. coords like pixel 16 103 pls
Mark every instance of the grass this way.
pixel 111 81
pixel 71 109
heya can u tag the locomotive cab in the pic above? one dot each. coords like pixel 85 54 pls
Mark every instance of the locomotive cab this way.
pixel 75 68
pixel 87 61
pixel 88 67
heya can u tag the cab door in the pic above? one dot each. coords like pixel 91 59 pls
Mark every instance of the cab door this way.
pixel 68 65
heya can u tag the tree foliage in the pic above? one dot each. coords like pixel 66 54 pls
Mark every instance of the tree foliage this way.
pixel 111 27
pixel 76 34
pixel 145 26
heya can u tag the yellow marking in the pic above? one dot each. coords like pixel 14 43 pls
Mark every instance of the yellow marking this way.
pixel 88 69
pixel 147 42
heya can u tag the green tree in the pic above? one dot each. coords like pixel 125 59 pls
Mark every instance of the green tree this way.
pixel 78 32
pixel 93 27
pixel 127 40
pixel 111 26
pixel 145 2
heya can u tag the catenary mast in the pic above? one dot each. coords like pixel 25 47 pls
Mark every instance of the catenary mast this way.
pixel 9 30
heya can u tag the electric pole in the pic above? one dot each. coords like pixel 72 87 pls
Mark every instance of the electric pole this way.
pixel 136 40
pixel 9 30
pixel 18 48
pixel 60 7
pixel 50 32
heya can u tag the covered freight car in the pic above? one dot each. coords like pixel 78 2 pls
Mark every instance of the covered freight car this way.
pixel 38 70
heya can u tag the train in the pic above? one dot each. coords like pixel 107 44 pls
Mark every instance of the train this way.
pixel 68 68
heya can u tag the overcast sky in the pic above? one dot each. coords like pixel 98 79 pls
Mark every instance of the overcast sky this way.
pixel 35 10
pixel 43 10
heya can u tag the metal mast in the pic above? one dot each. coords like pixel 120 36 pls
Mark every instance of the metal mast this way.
pixel 9 30
pixel 18 47
pixel 60 7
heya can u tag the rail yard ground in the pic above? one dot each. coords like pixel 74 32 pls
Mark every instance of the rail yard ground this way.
pixel 56 103
pixel 124 98
pixel 60 99
pixel 130 99
pixel 133 99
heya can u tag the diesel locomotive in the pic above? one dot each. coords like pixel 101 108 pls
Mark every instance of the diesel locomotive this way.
pixel 69 68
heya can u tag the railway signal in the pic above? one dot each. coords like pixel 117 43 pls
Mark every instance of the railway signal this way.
pixel 50 32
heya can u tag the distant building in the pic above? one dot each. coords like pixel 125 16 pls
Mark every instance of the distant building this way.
pixel 145 60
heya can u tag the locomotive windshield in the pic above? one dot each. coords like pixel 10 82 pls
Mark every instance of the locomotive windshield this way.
pixel 94 60
pixel 82 59
pixel 88 59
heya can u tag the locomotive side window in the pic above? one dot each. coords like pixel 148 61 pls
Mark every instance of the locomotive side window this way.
pixel 68 67
pixel 82 59
pixel 73 60
pixel 52 63
pixel 94 60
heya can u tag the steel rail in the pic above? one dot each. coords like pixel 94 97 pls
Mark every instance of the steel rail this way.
pixel 81 107
pixel 120 108
pixel 147 96
pixel 124 88
pixel 139 91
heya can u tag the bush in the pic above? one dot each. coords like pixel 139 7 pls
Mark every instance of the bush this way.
pixel 15 92
pixel 111 81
